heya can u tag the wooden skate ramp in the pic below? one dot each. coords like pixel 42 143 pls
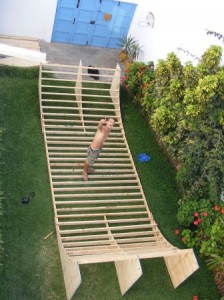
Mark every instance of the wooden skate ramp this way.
pixel 106 219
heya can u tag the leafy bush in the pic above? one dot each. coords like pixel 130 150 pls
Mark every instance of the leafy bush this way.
pixel 216 262
pixel 206 227
pixel 139 80
pixel 185 108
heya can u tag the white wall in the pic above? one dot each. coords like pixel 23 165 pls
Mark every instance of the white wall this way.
pixel 177 24
pixel 27 18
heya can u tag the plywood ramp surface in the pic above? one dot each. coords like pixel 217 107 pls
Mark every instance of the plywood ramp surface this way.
pixel 107 218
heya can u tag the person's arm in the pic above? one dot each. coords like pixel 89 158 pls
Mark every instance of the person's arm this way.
pixel 100 124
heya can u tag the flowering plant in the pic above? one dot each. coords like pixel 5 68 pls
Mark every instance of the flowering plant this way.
pixel 205 228
pixel 139 80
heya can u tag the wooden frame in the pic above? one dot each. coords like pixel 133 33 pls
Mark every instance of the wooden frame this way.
pixel 106 219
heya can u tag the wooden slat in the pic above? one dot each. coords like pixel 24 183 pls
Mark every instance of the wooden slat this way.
pixel 69 216
pixel 91 259
pixel 68 153
pixel 96 176
pixel 84 202
pixel 106 241
pixel 79 237
pixel 94 188
pixel 79 168
pixel 72 101
pixel 109 221
pixel 106 208
pixel 71 87
pixel 98 210
pixel 95 195
pixel 135 244
pixel 114 182
pixel 103 229
pixel 127 165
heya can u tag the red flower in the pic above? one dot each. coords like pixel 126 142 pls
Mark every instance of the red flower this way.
pixel 196 214
pixel 217 207
pixel 205 214
pixel 196 222
pixel 126 86
pixel 195 297
pixel 222 211
pixel 183 239
pixel 177 231
pixel 199 220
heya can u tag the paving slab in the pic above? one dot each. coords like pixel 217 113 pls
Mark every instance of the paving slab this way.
pixel 71 54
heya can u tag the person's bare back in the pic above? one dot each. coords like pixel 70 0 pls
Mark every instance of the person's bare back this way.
pixel 99 138
pixel 103 130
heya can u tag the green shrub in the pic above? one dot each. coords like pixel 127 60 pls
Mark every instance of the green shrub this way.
pixel 185 108
pixel 139 80
pixel 207 227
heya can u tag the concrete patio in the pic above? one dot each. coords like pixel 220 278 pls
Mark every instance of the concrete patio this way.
pixel 59 53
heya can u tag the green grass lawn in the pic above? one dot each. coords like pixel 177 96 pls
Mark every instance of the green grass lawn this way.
pixel 31 264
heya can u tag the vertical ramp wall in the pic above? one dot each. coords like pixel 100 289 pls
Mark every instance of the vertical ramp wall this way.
pixel 106 219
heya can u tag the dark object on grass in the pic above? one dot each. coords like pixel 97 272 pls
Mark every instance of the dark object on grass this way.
pixel 26 199
pixel 93 72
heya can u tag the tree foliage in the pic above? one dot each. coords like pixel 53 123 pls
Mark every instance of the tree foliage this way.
pixel 185 107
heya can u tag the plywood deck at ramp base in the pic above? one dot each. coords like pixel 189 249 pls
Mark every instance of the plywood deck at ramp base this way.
pixel 107 218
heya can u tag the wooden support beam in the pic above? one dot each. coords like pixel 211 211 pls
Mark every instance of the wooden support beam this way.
pixel 128 272
pixel 78 92
pixel 115 88
pixel 181 266
pixel 71 271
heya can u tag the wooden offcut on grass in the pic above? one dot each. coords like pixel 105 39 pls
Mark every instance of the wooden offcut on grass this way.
pixel 31 264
